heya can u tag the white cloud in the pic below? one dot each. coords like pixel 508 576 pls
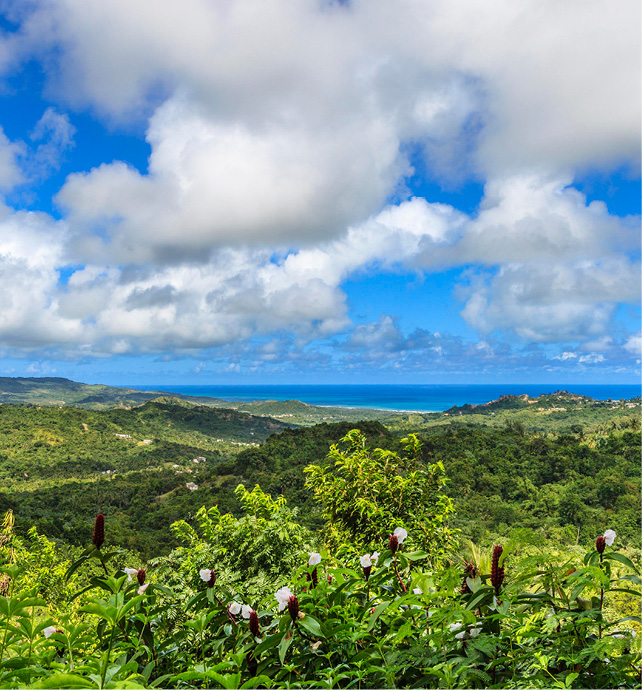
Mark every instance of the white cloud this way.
pixel 553 85
pixel 593 358
pixel 55 133
pixel 212 183
pixel 634 344
pixel 564 356
pixel 551 302
pixel 10 172
pixel 282 129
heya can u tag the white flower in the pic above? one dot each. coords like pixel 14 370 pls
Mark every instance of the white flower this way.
pixel 366 560
pixel 417 590
pixel 315 558
pixel 142 588
pixel 456 626
pixel 283 596
pixel 49 630
pixel 401 534
pixel 476 630
pixel 205 574
pixel 375 557
pixel 609 537
pixel 246 611
pixel 234 608
pixel 131 572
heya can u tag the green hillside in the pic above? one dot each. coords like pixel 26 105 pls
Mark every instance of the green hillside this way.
pixel 59 466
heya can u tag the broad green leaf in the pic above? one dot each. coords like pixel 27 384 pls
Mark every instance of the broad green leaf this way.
pixel 621 558
pixel 283 647
pixel 311 625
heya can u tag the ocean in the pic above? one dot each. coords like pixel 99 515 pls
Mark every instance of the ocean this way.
pixel 424 398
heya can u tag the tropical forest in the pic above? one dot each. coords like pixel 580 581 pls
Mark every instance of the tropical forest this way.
pixel 168 543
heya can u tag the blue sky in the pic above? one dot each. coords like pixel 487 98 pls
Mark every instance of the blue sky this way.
pixel 320 192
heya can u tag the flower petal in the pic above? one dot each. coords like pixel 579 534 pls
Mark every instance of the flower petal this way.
pixel 401 534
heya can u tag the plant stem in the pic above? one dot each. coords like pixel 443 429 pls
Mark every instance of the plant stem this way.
pixel 394 564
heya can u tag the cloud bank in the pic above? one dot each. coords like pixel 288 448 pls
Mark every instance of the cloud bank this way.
pixel 282 138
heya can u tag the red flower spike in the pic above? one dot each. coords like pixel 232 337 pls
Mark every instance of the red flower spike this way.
pixel 293 608
pixel 212 580
pixel 140 576
pixel 497 572
pixel 600 544
pixel 255 628
pixel 99 531
pixel 393 544
pixel 366 571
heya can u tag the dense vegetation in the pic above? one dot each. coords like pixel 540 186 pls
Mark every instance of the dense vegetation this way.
pixel 246 604
pixel 439 607
pixel 58 466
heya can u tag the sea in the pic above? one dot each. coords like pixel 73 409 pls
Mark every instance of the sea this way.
pixel 420 398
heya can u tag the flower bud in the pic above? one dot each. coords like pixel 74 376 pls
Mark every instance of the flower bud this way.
pixel 470 571
pixel 255 628
pixel 393 544
pixel 497 571
pixel 293 608
pixel 313 577
pixel 140 576
pixel 600 544
pixel 366 571
pixel 99 531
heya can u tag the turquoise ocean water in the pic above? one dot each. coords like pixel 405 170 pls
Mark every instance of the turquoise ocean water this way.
pixel 426 398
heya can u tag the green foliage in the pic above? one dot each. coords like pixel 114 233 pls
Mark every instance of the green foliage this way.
pixel 403 624
pixel 251 555
pixel 366 494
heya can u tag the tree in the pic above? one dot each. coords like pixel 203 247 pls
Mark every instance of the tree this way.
pixel 366 493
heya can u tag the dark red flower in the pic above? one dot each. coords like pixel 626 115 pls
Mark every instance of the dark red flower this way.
pixel 212 580
pixel 497 571
pixel 393 544
pixel 99 531
pixel 293 608
pixel 255 628
pixel 313 577
pixel 366 571
pixel 140 576
pixel 600 544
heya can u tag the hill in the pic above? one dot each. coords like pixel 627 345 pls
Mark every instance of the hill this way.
pixel 58 392
pixel 60 466
pixel 560 401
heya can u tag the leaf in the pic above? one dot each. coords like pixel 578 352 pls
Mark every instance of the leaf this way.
pixel 485 593
pixel 621 559
pixel 63 680
pixel 311 625
pixel 635 579
pixel 376 613
pixel 257 682
pixel 269 642
pixel 416 555
pixel 283 647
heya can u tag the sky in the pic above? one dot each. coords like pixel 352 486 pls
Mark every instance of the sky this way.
pixel 239 191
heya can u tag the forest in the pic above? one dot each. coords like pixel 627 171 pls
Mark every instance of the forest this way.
pixel 494 549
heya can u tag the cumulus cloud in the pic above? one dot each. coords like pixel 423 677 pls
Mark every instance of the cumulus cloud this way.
pixel 279 132
pixel 211 184
pixel 551 302
pixel 567 93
